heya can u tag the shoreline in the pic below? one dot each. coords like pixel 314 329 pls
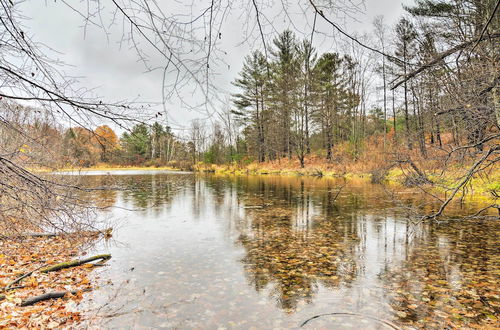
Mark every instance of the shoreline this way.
pixel 29 256
pixel 481 189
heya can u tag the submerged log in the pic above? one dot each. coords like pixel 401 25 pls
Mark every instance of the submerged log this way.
pixel 74 263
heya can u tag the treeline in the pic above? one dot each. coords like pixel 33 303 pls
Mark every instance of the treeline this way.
pixel 35 138
pixel 299 100
pixel 438 77
pixel 434 89
pixel 148 145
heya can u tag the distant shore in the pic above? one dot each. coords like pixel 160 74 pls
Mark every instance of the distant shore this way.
pixel 482 189
pixel 106 168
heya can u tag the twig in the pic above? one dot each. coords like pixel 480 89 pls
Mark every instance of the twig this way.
pixel 338 193
pixel 486 25
pixel 466 179
pixel 439 58
pixel 492 206
pixel 387 323
pixel 320 12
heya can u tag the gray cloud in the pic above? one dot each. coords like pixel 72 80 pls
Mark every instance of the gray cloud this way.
pixel 116 73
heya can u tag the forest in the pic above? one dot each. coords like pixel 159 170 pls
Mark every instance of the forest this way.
pixel 333 168
pixel 426 98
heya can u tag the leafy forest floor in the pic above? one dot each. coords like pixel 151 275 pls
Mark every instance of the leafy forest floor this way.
pixel 31 255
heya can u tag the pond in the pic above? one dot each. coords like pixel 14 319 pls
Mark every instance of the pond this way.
pixel 217 252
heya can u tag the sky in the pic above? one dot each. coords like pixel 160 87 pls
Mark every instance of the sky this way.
pixel 112 70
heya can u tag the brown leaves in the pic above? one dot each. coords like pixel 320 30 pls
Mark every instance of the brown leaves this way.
pixel 19 258
pixel 442 288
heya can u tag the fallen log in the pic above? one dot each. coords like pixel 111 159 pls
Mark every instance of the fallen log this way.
pixel 19 279
pixel 49 295
pixel 74 263
pixel 24 235
pixel 106 232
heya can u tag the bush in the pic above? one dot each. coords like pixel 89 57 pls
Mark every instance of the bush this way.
pixel 154 163
pixel 378 175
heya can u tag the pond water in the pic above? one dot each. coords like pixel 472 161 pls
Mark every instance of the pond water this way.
pixel 216 252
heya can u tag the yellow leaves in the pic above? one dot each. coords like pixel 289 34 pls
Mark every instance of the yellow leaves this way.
pixel 402 314
pixel 9 297
pixel 24 149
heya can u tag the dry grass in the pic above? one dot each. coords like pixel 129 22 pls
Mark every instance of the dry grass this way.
pixel 379 163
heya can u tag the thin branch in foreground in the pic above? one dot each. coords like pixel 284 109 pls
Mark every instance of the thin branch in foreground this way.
pixel 441 57
pixel 320 12
pixel 464 181
pixel 384 322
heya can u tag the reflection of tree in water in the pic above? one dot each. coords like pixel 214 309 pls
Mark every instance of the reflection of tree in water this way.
pixel 289 247
pixel 450 277
pixel 103 197
pixel 151 191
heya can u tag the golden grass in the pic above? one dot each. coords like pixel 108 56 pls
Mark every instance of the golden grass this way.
pixel 104 167
pixel 374 160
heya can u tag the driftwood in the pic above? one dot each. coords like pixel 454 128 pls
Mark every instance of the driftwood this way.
pixel 74 263
pixel 25 235
pixel 49 295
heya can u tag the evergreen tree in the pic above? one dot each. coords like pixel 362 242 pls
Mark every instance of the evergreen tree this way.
pixel 137 144
pixel 285 84
pixel 406 40
pixel 251 103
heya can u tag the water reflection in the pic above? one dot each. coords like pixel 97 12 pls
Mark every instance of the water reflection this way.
pixel 272 252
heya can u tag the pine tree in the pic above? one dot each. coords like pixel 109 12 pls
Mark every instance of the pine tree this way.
pixel 406 37
pixel 285 74
pixel 332 95
pixel 251 102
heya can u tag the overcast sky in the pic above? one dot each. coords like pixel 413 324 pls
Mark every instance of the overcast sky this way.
pixel 116 74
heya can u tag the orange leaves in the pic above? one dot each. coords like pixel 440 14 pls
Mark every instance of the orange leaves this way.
pixel 32 282
pixel 18 259
pixel 106 137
